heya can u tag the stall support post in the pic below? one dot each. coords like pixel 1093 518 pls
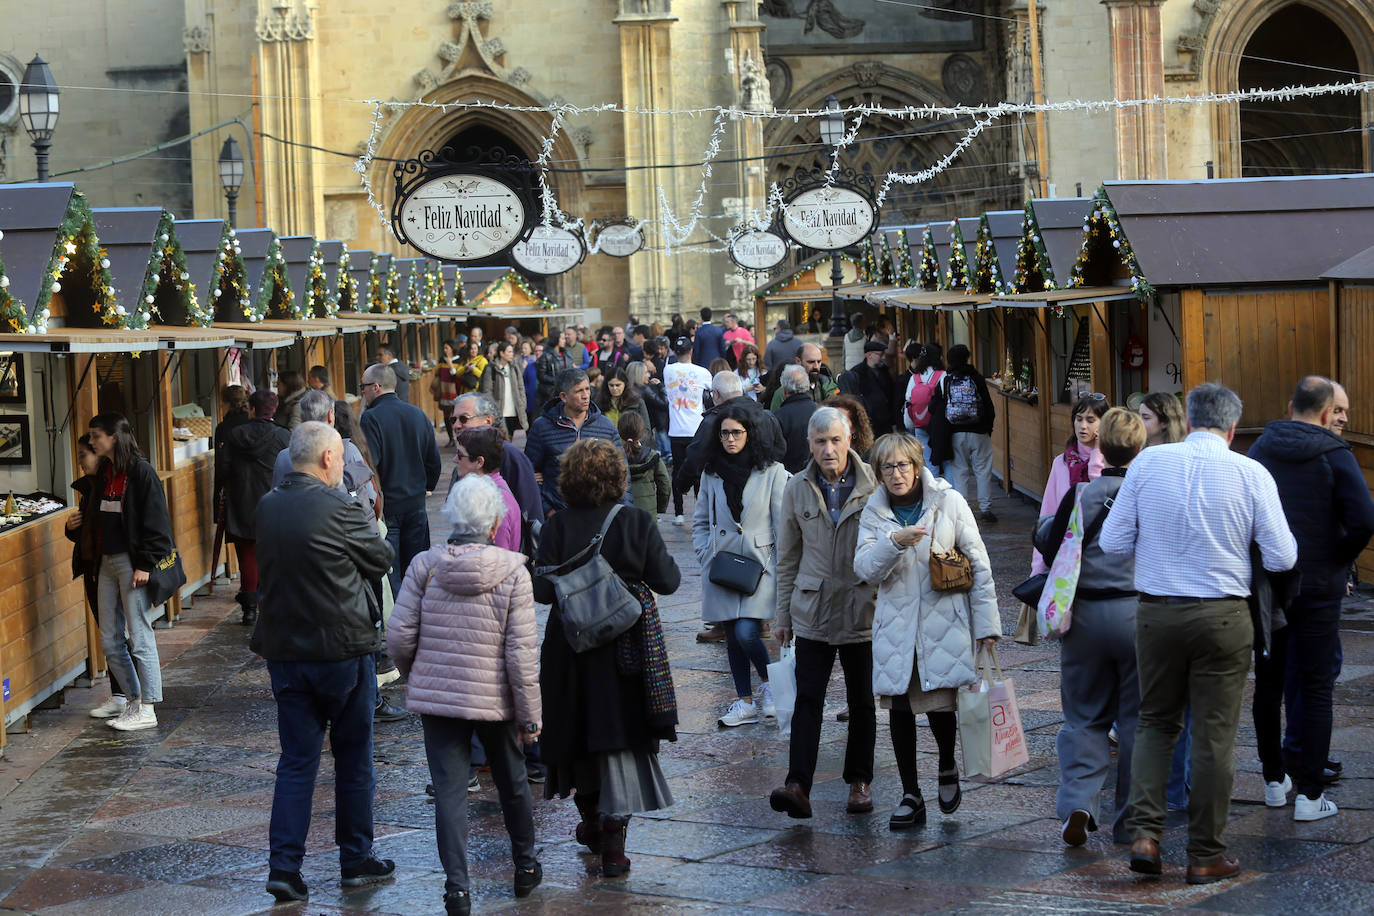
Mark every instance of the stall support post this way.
pixel 1193 349
pixel 335 364
pixel 1000 347
pixel 1045 388
pixel 166 457
pixel 1104 379
pixel 84 370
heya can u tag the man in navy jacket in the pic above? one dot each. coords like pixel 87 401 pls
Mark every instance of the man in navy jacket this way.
pixel 709 344
pixel 1327 504
pixel 401 439
pixel 567 417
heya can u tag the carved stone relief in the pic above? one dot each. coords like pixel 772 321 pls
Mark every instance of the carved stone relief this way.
pixel 779 80
pixel 963 78
pixel 285 20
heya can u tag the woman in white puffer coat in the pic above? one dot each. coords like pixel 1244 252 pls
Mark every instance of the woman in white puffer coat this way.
pixel 923 640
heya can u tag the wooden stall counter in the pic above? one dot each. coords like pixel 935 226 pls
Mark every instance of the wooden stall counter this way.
pixel 43 616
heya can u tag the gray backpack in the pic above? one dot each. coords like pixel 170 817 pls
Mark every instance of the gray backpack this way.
pixel 595 604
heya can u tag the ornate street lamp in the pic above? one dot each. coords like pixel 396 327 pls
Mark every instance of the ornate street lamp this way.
pixel 38 109
pixel 231 176
pixel 832 132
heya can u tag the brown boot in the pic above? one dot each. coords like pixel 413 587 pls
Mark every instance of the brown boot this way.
pixel 588 832
pixel 613 860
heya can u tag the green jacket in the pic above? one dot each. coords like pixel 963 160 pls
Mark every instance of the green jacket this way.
pixel 819 392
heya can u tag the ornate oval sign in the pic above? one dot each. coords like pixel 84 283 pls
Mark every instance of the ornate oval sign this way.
pixel 619 240
pixel 548 251
pixel 828 219
pixel 758 249
pixel 462 217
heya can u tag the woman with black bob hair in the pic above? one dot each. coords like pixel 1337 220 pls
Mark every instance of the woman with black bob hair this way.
pixel 738 510
pixel 1081 462
pixel 135 542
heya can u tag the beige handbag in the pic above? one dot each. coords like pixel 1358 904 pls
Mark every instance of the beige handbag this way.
pixel 950 570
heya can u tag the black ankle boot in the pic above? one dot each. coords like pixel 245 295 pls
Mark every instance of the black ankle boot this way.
pixel 248 602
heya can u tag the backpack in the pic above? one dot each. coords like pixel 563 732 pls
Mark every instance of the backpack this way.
pixel 962 402
pixel 918 406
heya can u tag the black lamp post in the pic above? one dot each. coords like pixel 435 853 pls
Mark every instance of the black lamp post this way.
pixel 832 133
pixel 231 176
pixel 38 109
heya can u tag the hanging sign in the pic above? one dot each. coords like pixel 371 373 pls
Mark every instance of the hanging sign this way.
pixel 828 218
pixel 548 251
pixel 758 249
pixel 619 240
pixel 462 210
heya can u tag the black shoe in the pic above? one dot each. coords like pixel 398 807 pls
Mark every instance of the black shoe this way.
pixel 457 903
pixel 950 778
pixel 386 712
pixel 536 774
pixel 1331 772
pixel 910 813
pixel 371 871
pixel 429 789
pixel 987 517
pixel 250 616
pixel 287 886
pixel 527 879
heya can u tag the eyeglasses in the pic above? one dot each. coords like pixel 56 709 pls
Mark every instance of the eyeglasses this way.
pixel 731 433
pixel 465 418
pixel 899 467
pixel 461 456
pixel 1093 396
pixel 366 385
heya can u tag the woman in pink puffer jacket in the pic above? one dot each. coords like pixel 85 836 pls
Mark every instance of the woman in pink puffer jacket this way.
pixel 464 634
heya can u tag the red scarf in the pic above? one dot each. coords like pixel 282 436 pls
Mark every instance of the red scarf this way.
pixel 1076 464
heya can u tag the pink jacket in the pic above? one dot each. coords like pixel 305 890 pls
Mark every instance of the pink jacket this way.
pixel 466 637
pixel 1057 486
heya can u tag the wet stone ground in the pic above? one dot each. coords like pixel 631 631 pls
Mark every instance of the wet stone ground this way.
pixel 174 820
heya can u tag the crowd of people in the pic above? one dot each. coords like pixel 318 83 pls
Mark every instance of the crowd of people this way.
pixel 824 501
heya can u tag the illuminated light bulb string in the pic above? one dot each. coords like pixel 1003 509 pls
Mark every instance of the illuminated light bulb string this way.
pixel 673 227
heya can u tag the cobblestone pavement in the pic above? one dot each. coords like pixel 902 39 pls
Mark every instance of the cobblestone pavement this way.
pixel 174 820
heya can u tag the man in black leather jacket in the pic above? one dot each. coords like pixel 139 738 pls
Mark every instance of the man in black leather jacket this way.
pixel 318 627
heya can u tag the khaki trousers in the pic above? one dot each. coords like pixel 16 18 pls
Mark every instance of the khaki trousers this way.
pixel 1198 653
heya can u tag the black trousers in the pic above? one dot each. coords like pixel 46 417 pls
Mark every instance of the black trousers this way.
pixel 679 444
pixel 1268 705
pixel 1314 643
pixel 815 661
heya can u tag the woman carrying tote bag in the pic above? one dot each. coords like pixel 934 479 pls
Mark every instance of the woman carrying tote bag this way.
pixel 735 526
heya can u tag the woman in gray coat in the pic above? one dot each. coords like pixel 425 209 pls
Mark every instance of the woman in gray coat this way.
pixel 923 640
pixel 1098 683
pixel 738 511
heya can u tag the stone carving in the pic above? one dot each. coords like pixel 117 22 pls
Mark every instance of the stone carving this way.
pixel 582 137
pixel 426 80
pixel 819 14
pixel 494 47
pixel 471 14
pixel 196 39
pixel 753 85
pixel 470 11
pixel 519 77
pixel 1192 44
pixel 963 79
pixel 779 80
pixel 867 73
pixel 284 22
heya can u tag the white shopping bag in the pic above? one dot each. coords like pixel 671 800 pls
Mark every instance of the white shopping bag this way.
pixel 990 723
pixel 782 676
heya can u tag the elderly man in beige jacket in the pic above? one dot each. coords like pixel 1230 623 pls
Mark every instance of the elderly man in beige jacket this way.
pixel 830 612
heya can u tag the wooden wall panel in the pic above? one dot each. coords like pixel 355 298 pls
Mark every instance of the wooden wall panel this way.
pixel 1355 315
pixel 193 529
pixel 1026 432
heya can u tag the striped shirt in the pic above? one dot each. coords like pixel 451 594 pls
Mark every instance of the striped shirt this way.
pixel 1189 512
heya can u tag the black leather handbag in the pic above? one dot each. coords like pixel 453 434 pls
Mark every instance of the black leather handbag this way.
pixel 736 572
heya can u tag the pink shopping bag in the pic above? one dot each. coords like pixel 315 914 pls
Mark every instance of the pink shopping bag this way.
pixel 990 722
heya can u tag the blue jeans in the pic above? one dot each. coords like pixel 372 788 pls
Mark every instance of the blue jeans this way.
pixel 923 436
pixel 313 696
pixel 408 535
pixel 743 645
pixel 664 445
pixel 136 661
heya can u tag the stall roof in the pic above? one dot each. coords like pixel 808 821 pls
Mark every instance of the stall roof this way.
pixel 261 340
pixel 255 244
pixel 331 251
pixel 1244 230
pixel 943 234
pixel 296 249
pixel 29 216
pixel 477 279
pixel 947 299
pixel 376 321
pixel 200 240
pixel 318 327
pixel 1004 226
pixel 182 338
pixel 127 235
pixel 1075 296
pixel 1359 267
pixel 84 340
pixel 968 229
pixel 1060 222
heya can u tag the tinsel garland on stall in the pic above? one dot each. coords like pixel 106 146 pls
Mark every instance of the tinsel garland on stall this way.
pixel 957 275
pixel 393 289
pixel 346 287
pixel 376 286
pixel 320 299
pixel 274 296
pixel 9 306
pixel 168 266
pixel 229 282
pixel 76 247
pixel 930 268
pixel 1103 237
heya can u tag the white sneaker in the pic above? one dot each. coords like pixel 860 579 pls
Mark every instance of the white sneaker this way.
pixel 766 701
pixel 136 716
pixel 1276 793
pixel 388 677
pixel 1313 809
pixel 679 521
pixel 111 708
pixel 741 712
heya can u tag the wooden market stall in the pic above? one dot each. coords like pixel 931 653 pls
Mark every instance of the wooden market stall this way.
pixel 801 294
pixel 311 293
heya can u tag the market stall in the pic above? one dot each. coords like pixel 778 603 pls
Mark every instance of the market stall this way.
pixel 801 294
pixel 312 296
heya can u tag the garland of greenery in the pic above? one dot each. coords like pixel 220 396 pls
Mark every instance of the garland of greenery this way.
pixel 986 275
pixel 775 288
pixel 317 293
pixel 1031 255
pixel 274 296
pixel 415 288
pixel 230 276
pixel 457 285
pixel 434 286
pixel 907 272
pixel 76 241
pixel 887 264
pixel 957 275
pixel 345 287
pixel 376 285
pixel 168 266
pixel 514 277
pixel 11 309
pixel 930 268
pixel 1103 235
pixel 393 288
pixel 868 262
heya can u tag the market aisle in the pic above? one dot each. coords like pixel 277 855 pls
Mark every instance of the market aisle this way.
pixel 175 820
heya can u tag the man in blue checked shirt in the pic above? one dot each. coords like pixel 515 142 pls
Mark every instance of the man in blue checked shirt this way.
pixel 1189 512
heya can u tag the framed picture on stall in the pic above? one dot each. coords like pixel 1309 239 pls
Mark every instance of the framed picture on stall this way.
pixel 15 445
pixel 11 378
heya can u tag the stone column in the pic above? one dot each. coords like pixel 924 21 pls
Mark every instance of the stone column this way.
pixel 754 94
pixel 289 77
pixel 1137 73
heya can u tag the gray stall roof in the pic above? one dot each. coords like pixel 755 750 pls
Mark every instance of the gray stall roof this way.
pixel 126 234
pixel 255 243
pixel 1060 220
pixel 200 240
pixel 477 279
pixel 29 217
pixel 358 263
pixel 1245 230
pixel 296 250
pixel 1005 229
pixel 1360 267
pixel 968 228
pixel 943 233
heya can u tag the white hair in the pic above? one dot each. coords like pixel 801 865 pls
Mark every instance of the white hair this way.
pixel 825 419
pixel 474 506
pixel 309 442
pixel 727 384
pixel 795 379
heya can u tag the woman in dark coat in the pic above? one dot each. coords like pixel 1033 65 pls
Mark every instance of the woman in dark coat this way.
pixel 607 708
pixel 244 463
